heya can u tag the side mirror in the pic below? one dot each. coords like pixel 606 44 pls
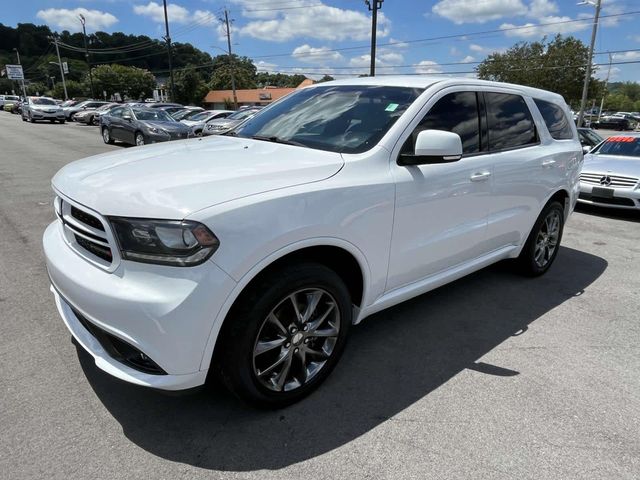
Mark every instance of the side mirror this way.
pixel 127 118
pixel 586 149
pixel 433 146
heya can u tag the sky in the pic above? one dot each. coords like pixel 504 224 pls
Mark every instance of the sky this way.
pixel 316 37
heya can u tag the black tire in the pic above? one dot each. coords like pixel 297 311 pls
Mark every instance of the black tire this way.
pixel 52 121
pixel 137 136
pixel 62 121
pixel 527 263
pixel 31 119
pixel 248 318
pixel 106 136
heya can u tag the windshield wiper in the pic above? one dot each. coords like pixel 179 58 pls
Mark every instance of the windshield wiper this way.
pixel 275 139
pixel 230 133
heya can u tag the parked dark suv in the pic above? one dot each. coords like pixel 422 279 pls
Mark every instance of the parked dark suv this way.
pixel 613 123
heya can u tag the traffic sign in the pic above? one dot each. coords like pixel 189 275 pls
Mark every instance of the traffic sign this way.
pixel 14 72
pixel 65 67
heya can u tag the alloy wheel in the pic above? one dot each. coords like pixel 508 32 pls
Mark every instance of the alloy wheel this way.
pixel 296 339
pixel 139 139
pixel 547 239
pixel 105 135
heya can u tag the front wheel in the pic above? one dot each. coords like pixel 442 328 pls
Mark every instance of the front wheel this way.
pixel 106 136
pixel 285 334
pixel 31 118
pixel 543 243
pixel 140 140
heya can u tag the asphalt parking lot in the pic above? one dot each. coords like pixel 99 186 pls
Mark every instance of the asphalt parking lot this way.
pixel 494 376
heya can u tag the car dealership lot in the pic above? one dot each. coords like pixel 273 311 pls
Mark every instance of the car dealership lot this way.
pixel 494 376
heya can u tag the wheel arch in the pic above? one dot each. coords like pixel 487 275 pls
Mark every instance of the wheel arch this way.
pixel 339 255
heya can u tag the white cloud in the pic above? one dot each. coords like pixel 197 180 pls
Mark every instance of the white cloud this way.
pixel 385 59
pixel 468 59
pixel 635 38
pixel 427 67
pixel 474 47
pixel 263 66
pixel 530 30
pixel 626 56
pixel 320 22
pixel 308 54
pixel 478 11
pixel 542 8
pixel 68 19
pixel 175 13
pixel 602 72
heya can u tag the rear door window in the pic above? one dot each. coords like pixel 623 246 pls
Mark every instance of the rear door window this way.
pixel 509 121
pixel 555 119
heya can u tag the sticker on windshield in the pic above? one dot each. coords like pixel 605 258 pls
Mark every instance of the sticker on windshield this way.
pixel 392 107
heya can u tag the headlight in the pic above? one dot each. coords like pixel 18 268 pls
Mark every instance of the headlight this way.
pixel 167 242
pixel 154 129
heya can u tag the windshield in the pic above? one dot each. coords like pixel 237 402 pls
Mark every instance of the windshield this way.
pixel 593 137
pixel 623 146
pixel 199 116
pixel 155 114
pixel 241 114
pixel 42 101
pixel 344 118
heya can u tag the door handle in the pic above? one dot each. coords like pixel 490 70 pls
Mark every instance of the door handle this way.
pixel 480 176
pixel 548 163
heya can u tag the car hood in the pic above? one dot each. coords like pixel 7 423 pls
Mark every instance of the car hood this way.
pixel 615 164
pixel 192 123
pixel 166 126
pixel 224 122
pixel 172 180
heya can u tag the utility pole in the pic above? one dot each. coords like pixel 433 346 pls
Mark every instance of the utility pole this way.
pixel 587 76
pixel 86 51
pixel 64 84
pixel 24 90
pixel 167 38
pixel 606 83
pixel 231 66
pixel 377 5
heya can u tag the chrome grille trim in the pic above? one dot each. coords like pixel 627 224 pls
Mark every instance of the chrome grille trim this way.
pixel 75 232
pixel 616 180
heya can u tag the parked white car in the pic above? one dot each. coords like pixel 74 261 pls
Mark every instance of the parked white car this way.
pixel 252 253
pixel 611 173
pixel 41 108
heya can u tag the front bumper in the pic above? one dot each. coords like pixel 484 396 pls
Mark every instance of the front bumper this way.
pixel 627 198
pixel 40 115
pixel 166 136
pixel 165 312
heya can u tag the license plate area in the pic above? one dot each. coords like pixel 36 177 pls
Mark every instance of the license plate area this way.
pixel 602 192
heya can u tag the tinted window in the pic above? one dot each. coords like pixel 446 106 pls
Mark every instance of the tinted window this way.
pixel 509 121
pixel 555 119
pixel 457 113
pixel 155 115
pixel 116 112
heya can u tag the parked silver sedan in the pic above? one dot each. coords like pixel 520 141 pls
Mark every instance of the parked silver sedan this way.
pixel 198 121
pixel 222 125
pixel 41 108
pixel 611 173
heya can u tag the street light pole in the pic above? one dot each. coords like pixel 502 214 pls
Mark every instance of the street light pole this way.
pixel 24 90
pixel 86 51
pixel 64 84
pixel 167 38
pixel 587 76
pixel 377 5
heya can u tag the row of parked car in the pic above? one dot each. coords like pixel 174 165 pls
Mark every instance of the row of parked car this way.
pixel 137 123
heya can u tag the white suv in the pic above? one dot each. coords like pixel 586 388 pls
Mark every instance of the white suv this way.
pixel 252 253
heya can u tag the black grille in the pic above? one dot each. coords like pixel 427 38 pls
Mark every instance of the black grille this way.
pixel 626 202
pixel 86 218
pixel 119 349
pixel 97 250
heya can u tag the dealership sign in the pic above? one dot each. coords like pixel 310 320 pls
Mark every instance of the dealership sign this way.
pixel 14 72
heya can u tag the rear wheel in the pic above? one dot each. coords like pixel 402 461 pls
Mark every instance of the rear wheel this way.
pixel 106 136
pixel 285 334
pixel 62 121
pixel 543 243
pixel 140 140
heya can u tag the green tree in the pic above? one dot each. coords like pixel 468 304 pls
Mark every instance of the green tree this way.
pixel 36 88
pixel 190 88
pixel 243 69
pixel 558 65
pixel 130 82
pixel 74 89
pixel 326 78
